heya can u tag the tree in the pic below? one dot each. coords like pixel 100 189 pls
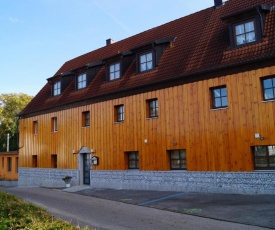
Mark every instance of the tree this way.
pixel 10 105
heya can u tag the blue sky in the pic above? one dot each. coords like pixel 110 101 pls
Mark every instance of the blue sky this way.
pixel 38 36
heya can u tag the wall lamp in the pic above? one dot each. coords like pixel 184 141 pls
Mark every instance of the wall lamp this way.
pixel 258 136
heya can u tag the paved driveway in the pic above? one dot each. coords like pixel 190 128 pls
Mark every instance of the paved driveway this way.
pixel 111 214
pixel 257 210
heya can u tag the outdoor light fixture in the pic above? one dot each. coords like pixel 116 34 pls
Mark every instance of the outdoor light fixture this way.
pixel 258 136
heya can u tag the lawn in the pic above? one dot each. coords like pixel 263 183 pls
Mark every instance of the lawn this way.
pixel 17 214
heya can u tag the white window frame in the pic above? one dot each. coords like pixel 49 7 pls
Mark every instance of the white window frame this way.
pixel 146 61
pixel 57 88
pixel 81 81
pixel 114 71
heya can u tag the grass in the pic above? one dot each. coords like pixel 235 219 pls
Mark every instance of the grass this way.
pixel 17 214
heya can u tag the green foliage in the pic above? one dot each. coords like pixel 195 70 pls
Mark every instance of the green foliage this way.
pixel 10 105
pixel 16 214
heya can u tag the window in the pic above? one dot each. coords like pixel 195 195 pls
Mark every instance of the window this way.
pixel 56 88
pixel 264 157
pixel 133 160
pixel 35 127
pixel 9 164
pixel 178 159
pixel 54 124
pixel 54 161
pixel 114 71
pixel 152 108
pixel 269 88
pixel 86 119
pixel 17 164
pixel 81 81
pixel 34 161
pixel 119 113
pixel 245 33
pixel 146 62
pixel 219 97
pixel 3 162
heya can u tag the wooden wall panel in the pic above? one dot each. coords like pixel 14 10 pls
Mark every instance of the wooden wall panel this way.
pixel 214 139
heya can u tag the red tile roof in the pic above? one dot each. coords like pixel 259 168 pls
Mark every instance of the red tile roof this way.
pixel 201 43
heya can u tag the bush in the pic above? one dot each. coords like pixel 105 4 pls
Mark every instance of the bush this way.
pixel 16 214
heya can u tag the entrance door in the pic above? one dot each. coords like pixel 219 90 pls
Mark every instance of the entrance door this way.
pixel 86 168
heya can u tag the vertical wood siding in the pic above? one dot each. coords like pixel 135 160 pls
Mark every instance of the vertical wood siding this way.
pixel 5 174
pixel 215 140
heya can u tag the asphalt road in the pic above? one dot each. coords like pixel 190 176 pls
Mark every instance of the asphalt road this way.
pixel 106 214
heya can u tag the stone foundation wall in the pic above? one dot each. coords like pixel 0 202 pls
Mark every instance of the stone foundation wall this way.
pixel 8 183
pixel 213 182
pixel 46 177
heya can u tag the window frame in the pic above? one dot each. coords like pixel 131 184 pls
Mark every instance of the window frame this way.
pixel 152 108
pixel 34 161
pixel 3 162
pixel 81 81
pixel 119 114
pixel 54 161
pixel 135 160
pixel 244 22
pixel 86 119
pixel 9 164
pixel 214 97
pixel 17 164
pixel 114 71
pixel 179 159
pixel 54 124
pixel 56 88
pixel 271 88
pixel 35 127
pixel 146 62
pixel 266 157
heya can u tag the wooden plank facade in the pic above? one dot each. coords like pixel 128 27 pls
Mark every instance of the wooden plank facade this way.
pixel 9 166
pixel 185 105
pixel 214 139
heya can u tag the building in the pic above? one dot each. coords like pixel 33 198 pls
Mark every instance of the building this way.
pixel 188 105
pixel 8 166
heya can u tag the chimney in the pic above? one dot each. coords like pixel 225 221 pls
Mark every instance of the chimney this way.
pixel 218 3
pixel 109 41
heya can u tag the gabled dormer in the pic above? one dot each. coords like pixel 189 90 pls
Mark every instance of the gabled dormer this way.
pixel 116 65
pixel 59 83
pixel 148 55
pixel 247 27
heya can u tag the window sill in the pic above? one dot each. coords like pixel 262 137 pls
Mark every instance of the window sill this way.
pixel 268 101
pixel 222 108
pixel 84 127
pixel 53 132
pixel 149 118
pixel 118 122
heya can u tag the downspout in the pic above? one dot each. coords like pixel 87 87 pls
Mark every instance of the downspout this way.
pixel 262 22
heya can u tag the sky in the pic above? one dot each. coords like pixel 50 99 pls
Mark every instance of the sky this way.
pixel 39 36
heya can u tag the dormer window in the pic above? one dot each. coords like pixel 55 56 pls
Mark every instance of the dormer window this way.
pixel 246 27
pixel 114 71
pixel 245 32
pixel 145 62
pixel 81 81
pixel 57 88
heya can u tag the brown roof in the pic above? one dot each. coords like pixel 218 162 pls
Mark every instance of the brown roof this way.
pixel 201 44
